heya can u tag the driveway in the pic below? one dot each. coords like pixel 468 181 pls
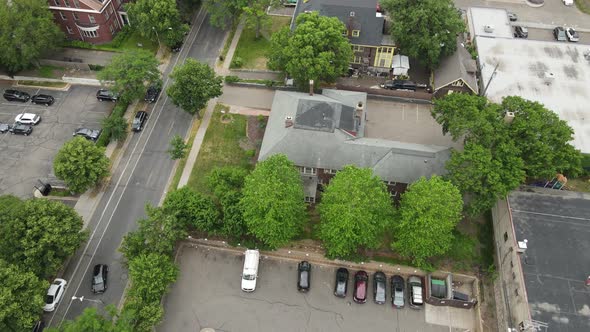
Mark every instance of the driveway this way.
pixel 25 159
pixel 207 294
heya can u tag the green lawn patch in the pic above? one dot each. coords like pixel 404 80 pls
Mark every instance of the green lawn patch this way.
pixel 251 52
pixel 221 147
pixel 125 40
pixel 46 71
pixel 43 84
pixel 583 6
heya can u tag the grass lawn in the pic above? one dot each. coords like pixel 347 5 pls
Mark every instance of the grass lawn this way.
pixel 46 71
pixel 583 5
pixel 43 84
pixel 253 51
pixel 130 42
pixel 221 147
pixel 581 184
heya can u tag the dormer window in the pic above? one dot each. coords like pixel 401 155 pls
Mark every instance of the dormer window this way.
pixel 345 33
pixel 356 33
pixel 351 14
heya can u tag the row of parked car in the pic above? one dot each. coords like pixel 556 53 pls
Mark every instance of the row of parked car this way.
pixel 398 286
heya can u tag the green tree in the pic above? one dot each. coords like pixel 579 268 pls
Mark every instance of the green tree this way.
pixel 192 209
pixel 429 211
pixel 227 178
pixel 81 164
pixel 315 50
pixel 178 148
pixel 91 321
pixel 354 212
pixel 9 207
pixel 116 127
pixel 40 236
pixel 226 183
pixel 27 32
pixel 256 16
pixel 194 84
pixel 273 202
pixel 426 30
pixel 21 298
pixel 224 12
pixel 129 73
pixel 158 20
pixel 157 233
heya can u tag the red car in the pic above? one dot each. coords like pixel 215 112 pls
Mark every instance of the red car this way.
pixel 361 281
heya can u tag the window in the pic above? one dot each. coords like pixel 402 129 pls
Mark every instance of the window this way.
pixel 391 183
pixel 505 236
pixel 393 194
pixel 309 199
pixel 458 83
pixel 76 4
pixel 330 171
pixel 111 29
pixel 351 14
pixel 91 18
pixel 63 16
pixel 308 170
pixel 110 10
pixel 90 34
pixel 107 15
pixel 345 33
pixel 357 48
pixel 67 3
pixel 70 31
pixel 76 18
pixel 357 59
pixel 356 33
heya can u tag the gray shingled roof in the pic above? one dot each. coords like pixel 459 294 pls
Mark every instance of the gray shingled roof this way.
pixel 391 160
pixel 459 65
pixel 365 17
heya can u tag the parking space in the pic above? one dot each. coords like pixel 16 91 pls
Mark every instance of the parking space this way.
pixel 207 295
pixel 547 35
pixel 25 159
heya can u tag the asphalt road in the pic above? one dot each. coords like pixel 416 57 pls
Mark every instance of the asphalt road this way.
pixel 140 178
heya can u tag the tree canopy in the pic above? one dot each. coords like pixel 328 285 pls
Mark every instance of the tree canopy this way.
pixel 21 298
pixel 91 321
pixel 315 50
pixel 226 183
pixel 192 209
pixel 194 84
pixel 426 30
pixel 429 211
pixel 157 19
pixel 273 202
pixel 129 72
pixel 224 12
pixel 256 16
pixel 27 32
pixel 80 164
pixel 354 212
pixel 40 235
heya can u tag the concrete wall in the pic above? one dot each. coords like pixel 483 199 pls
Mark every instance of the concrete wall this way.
pixel 509 269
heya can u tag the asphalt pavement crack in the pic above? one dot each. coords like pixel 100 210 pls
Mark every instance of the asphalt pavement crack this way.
pixel 196 318
pixel 336 314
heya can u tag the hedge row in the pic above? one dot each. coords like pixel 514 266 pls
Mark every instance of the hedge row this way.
pixel 118 111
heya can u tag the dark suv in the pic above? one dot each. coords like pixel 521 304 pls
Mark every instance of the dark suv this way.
pixel 42 99
pixel 521 32
pixel 21 129
pixel 139 121
pixel 16 95
pixel 303 276
pixel 399 85
pixel 104 94
pixel 152 93
pixel 99 278
pixel 341 285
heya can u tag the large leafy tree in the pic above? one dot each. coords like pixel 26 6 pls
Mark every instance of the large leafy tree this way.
pixel 273 202
pixel 27 32
pixel 429 211
pixel 158 20
pixel 315 50
pixel 92 321
pixel 192 209
pixel 226 183
pixel 81 164
pixel 194 84
pixel 354 211
pixel 21 298
pixel 40 236
pixel 129 72
pixel 224 12
pixel 256 16
pixel 426 30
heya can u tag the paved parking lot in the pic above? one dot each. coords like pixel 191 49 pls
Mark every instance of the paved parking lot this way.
pixel 28 158
pixel 207 294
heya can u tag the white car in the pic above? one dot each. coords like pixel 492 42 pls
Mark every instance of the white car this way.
pixel 572 35
pixel 28 118
pixel 54 294
pixel 568 2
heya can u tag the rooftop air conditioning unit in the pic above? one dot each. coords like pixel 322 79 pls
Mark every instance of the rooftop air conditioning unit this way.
pixel 488 28
pixel 522 246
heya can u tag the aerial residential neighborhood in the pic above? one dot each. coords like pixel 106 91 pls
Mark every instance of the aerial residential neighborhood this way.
pixel 295 165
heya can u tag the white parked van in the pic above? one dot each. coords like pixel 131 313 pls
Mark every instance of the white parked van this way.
pixel 250 272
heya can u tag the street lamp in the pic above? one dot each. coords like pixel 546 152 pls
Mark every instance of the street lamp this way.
pixel 81 298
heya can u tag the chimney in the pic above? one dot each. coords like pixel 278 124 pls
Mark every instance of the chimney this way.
pixel 359 109
pixel 508 117
pixel 288 122
pixel 311 87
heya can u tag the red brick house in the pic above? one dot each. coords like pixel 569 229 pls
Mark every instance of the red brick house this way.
pixel 93 21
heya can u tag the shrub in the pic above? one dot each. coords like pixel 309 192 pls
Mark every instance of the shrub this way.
pixel 232 79
pixel 237 62
pixel 95 67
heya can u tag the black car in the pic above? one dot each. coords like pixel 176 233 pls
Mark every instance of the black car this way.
pixel 379 288
pixel 104 94
pixel 521 32
pixel 21 129
pixel 559 34
pixel 303 276
pixel 16 95
pixel 341 285
pixel 398 294
pixel 176 47
pixel 42 99
pixel 399 85
pixel 152 93
pixel 99 278
pixel 90 134
pixel 4 127
pixel 139 121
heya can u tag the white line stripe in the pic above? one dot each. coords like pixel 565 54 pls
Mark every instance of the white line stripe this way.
pixel 551 215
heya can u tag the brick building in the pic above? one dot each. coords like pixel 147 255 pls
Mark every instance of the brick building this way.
pixel 93 21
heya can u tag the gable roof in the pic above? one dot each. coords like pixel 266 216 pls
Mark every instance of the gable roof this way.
pixel 391 160
pixel 457 66
pixel 365 19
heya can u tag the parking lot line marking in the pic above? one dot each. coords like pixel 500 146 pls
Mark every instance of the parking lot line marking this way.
pixel 120 197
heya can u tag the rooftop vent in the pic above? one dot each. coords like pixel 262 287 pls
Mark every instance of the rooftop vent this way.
pixel 548 78
pixel 351 14
pixel 488 28
pixel 288 121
